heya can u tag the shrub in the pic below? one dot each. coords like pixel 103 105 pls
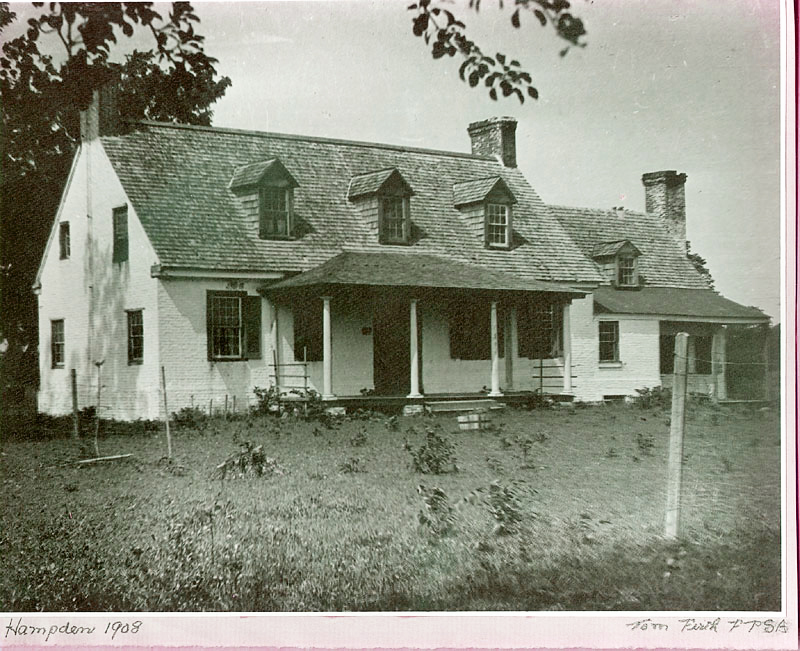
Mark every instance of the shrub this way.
pixel 436 456
pixel 249 460
pixel 190 418
pixel 438 515
pixel 359 439
pixel 653 398
pixel 505 507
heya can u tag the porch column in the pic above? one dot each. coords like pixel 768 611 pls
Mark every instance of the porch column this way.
pixel 495 354
pixel 510 345
pixel 722 389
pixel 413 341
pixel 566 344
pixel 327 393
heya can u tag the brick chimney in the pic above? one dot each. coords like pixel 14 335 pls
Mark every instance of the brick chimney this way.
pixel 495 138
pixel 102 117
pixel 665 197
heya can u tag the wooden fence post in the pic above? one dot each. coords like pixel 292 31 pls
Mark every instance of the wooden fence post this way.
pixel 75 426
pixel 97 409
pixel 676 427
pixel 166 413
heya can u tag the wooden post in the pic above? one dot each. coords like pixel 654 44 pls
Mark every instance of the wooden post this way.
pixel 495 353
pixel 234 404
pixel 277 385
pixel 327 362
pixel 210 407
pixel 226 406
pixel 566 344
pixel 677 421
pixel 97 409
pixel 75 428
pixel 765 354
pixel 166 413
pixel 413 339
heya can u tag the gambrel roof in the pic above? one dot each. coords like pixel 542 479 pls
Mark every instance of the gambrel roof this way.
pixel 192 218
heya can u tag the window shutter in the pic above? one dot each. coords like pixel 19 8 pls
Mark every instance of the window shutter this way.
pixel 209 328
pixel 251 313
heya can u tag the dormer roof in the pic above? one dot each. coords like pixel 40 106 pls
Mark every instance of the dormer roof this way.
pixel 609 249
pixel 255 173
pixel 377 181
pixel 477 190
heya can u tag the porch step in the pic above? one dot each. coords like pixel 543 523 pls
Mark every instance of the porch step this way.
pixel 441 406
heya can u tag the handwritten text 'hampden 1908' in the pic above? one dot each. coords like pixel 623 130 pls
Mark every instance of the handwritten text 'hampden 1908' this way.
pixel 111 629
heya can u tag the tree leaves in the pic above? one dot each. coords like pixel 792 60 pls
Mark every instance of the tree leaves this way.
pixel 509 79
pixel 174 81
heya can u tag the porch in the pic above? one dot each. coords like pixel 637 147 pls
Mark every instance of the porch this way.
pixel 390 328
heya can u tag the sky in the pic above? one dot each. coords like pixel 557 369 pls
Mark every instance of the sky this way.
pixel 689 85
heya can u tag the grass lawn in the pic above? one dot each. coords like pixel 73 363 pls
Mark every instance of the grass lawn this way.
pixel 565 511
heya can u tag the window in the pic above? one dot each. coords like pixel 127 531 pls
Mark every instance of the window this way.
pixel 666 348
pixel 498 225
pixel 57 343
pixel 135 337
pixel 233 326
pixel 626 271
pixel 276 212
pixel 471 328
pixel 540 329
pixel 120 225
pixel 63 240
pixel 394 220
pixel 609 341
pixel 308 330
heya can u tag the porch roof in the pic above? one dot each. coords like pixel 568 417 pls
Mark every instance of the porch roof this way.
pixel 673 301
pixel 390 269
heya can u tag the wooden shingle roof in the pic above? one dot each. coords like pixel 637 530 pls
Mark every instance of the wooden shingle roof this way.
pixel 663 261
pixel 476 190
pixel 193 219
pixel 673 301
pixel 408 269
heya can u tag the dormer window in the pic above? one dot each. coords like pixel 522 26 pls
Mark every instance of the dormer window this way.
pixel 498 225
pixel 394 220
pixel 486 205
pixel 626 271
pixel 275 215
pixel 619 261
pixel 384 197
pixel 266 189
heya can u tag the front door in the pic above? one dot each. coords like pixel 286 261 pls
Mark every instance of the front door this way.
pixel 390 348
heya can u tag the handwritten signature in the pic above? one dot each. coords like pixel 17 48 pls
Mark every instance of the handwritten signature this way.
pixel 767 626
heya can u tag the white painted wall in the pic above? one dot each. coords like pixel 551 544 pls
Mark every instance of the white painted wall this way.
pixel 193 380
pixel 129 391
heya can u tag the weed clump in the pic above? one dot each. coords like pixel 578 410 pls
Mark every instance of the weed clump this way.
pixel 436 456
pixel 250 460
pixel 438 516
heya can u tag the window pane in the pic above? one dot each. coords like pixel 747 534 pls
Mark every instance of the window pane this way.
pixel 120 226
pixel 497 223
pixel 63 240
pixel 135 336
pixel 226 326
pixel 609 341
pixel 57 343
pixel 274 212
pixel 392 219
pixel 627 266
